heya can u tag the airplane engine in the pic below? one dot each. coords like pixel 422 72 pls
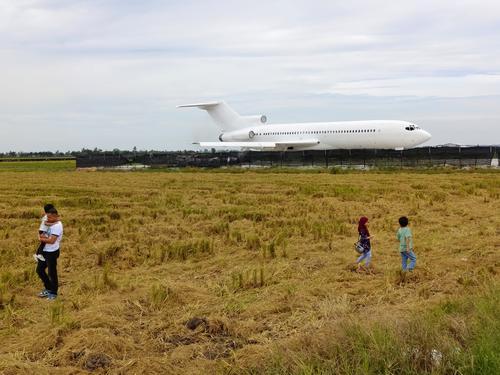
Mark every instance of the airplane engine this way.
pixel 237 136
pixel 255 120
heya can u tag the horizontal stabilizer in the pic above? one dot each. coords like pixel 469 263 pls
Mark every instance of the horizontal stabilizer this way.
pixel 199 105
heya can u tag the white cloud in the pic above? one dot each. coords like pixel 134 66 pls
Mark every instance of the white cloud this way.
pixel 450 87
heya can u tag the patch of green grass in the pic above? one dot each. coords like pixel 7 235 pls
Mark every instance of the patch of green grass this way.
pixel 429 344
pixel 159 295
pixel 45 165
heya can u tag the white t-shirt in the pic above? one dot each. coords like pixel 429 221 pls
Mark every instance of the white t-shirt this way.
pixel 54 230
pixel 43 226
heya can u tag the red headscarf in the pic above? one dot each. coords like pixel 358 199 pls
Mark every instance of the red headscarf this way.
pixel 362 226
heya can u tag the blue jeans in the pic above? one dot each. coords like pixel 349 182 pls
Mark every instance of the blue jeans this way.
pixel 405 255
pixel 366 256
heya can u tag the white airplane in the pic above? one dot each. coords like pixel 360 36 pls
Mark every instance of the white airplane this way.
pixel 252 133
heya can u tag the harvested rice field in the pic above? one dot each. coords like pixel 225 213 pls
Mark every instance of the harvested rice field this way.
pixel 251 272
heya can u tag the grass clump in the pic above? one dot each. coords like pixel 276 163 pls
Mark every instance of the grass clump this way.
pixel 159 296
pixel 252 242
pixel 104 280
pixel 184 250
pixel 269 250
pixel 56 312
pixel 248 279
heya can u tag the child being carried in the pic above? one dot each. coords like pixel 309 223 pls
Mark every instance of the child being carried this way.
pixel 43 230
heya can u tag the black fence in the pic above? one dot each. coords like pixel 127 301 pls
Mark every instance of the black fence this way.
pixel 416 157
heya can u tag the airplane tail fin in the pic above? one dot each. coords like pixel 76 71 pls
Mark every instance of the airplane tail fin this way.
pixel 226 117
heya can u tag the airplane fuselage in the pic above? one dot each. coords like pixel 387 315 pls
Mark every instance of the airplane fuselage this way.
pixel 382 134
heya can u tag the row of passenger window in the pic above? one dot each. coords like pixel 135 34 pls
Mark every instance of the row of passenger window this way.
pixel 321 132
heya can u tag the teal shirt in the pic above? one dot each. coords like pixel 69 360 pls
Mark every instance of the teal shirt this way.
pixel 402 234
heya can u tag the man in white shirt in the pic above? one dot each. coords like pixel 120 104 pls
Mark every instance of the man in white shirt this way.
pixel 43 229
pixel 52 239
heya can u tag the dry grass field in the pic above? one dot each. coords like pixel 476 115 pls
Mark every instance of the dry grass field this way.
pixel 249 272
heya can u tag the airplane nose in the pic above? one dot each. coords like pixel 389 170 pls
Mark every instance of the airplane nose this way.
pixel 426 135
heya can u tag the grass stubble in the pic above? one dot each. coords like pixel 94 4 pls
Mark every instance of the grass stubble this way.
pixel 249 273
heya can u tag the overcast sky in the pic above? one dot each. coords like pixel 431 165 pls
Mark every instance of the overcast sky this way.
pixel 109 73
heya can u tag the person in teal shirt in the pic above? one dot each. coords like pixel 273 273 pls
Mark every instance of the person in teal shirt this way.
pixel 405 239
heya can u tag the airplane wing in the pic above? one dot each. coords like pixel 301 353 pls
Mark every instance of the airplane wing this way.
pixel 305 143
pixel 260 146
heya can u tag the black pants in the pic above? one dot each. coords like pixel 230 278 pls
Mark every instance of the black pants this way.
pixel 49 280
pixel 40 246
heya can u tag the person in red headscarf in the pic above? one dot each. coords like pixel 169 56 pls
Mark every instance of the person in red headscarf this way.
pixel 364 239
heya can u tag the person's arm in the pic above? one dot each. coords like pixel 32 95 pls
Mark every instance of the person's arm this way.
pixel 56 232
pixel 364 235
pixel 407 240
pixel 50 240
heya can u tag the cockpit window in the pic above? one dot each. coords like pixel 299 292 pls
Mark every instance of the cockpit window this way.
pixel 410 127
